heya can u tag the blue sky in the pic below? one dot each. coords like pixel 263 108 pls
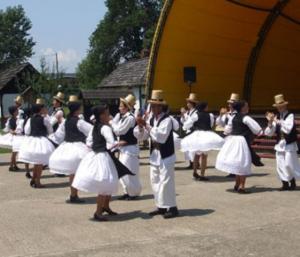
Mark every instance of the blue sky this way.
pixel 62 26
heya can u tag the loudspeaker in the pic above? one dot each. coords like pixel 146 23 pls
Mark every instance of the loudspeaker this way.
pixel 189 74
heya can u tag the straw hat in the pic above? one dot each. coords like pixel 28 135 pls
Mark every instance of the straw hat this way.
pixel 192 98
pixel 19 99
pixel 234 98
pixel 40 101
pixel 73 99
pixel 60 97
pixel 157 97
pixel 279 100
pixel 129 101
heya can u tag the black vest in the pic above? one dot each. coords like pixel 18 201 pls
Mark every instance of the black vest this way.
pixel 289 138
pixel 203 122
pixel 55 126
pixel 73 134
pixel 99 141
pixel 166 149
pixel 38 129
pixel 129 136
pixel 239 128
pixel 12 123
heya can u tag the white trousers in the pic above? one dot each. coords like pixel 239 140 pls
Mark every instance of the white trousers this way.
pixel 288 166
pixel 131 184
pixel 163 185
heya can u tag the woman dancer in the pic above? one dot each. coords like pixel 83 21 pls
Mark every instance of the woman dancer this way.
pixel 36 148
pixel 202 140
pixel 97 172
pixel 67 157
pixel 235 155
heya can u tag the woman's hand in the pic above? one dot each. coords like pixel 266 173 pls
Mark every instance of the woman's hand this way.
pixel 223 111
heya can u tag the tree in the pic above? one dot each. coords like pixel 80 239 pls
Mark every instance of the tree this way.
pixel 16 45
pixel 127 28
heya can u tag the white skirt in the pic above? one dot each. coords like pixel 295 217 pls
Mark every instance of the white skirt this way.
pixel 6 141
pixel 17 142
pixel 36 150
pixel 201 142
pixel 67 157
pixel 97 174
pixel 235 156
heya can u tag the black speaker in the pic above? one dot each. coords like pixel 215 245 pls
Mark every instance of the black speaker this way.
pixel 190 74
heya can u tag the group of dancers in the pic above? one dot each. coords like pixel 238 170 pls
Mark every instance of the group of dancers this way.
pixel 98 153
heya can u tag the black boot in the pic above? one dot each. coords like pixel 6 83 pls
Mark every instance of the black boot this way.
pixel 285 186
pixel 293 184
pixel 159 211
pixel 190 166
pixel 171 213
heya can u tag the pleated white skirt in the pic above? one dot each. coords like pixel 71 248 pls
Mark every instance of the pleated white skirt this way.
pixel 6 141
pixel 97 174
pixel 17 142
pixel 67 157
pixel 35 150
pixel 235 157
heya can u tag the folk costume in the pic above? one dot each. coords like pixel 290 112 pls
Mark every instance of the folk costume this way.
pixel 57 115
pixel 162 158
pixel 123 126
pixel 6 140
pixel 288 166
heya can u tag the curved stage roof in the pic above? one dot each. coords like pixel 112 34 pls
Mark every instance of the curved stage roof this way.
pixel 251 47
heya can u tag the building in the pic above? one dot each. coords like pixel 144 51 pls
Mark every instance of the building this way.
pixel 129 77
pixel 14 81
pixel 249 47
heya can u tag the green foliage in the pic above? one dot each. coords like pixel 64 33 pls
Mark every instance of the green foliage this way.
pixel 16 45
pixel 126 29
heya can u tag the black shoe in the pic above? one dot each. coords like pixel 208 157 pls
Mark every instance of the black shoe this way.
pixel 75 199
pixel 171 213
pixel 32 183
pixel 110 212
pixel 190 166
pixel 230 176
pixel 202 178
pixel 28 175
pixel 99 218
pixel 196 176
pixel 159 211
pixel 12 169
pixel 124 197
pixel 243 191
pixel 236 188
pixel 293 184
pixel 258 163
pixel 285 186
pixel 17 168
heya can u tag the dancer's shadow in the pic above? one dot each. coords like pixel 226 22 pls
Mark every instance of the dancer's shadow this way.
pixel 57 185
pixel 255 190
pixel 48 176
pixel 93 199
pixel 144 163
pixel 4 163
pixel 259 174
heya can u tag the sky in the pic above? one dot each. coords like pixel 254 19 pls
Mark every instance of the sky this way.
pixel 62 27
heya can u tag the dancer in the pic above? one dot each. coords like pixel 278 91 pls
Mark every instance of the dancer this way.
pixel 162 158
pixel 283 124
pixel 235 155
pixel 188 119
pixel 67 157
pixel 123 125
pixel 36 148
pixel 57 115
pixel 18 103
pixel 99 170
pixel 202 140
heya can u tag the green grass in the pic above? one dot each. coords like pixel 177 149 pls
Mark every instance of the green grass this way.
pixel 4 151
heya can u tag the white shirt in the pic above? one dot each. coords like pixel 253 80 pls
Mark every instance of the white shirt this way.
pixel 56 116
pixel 286 127
pixel 107 132
pixel 46 123
pixel 59 135
pixel 158 134
pixel 221 119
pixel 121 126
pixel 189 119
pixel 248 121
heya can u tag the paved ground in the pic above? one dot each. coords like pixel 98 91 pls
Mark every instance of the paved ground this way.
pixel 213 222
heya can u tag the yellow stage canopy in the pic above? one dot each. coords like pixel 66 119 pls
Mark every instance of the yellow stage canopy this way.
pixel 251 47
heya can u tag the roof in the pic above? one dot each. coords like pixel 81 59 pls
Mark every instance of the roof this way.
pixel 8 74
pixel 250 47
pixel 104 93
pixel 131 73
